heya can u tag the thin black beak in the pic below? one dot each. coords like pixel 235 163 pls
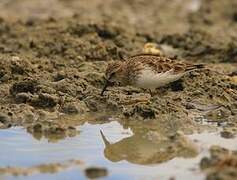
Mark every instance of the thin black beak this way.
pixel 105 87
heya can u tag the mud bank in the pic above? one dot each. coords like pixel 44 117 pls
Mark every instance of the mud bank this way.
pixel 52 65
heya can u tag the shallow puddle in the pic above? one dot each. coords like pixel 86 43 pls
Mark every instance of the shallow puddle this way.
pixel 124 154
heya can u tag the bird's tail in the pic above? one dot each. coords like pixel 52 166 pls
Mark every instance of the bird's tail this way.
pixel 195 66
pixel 199 66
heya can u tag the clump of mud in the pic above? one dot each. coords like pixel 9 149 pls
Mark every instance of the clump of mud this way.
pixel 96 172
pixel 221 165
pixel 42 168
pixel 51 131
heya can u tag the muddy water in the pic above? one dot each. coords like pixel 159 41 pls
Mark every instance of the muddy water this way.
pixel 119 150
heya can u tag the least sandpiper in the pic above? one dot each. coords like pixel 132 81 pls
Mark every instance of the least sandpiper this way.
pixel 147 71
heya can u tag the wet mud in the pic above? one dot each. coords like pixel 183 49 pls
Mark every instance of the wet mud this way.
pixel 52 64
pixel 221 165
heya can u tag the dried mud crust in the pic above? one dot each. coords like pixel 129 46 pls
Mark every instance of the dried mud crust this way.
pixel 56 65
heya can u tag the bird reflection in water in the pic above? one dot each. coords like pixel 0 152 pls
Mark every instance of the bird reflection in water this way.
pixel 149 147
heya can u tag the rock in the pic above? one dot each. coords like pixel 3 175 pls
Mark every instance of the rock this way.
pixel 4 118
pixel 234 79
pixel 59 76
pixel 190 105
pixel 16 66
pixel 221 164
pixel 2 73
pixel 227 134
pixel 24 86
pixel 45 100
pixel 218 114
pixel 205 163
pixel 92 105
pixel 70 109
pixel 5 78
pixel 37 128
pixel 4 121
pixel 22 97
pixel 53 131
pixel 72 131
pixel 177 85
pixel 96 172
pixel 152 48
pixel 46 89
pixel 1 125
pixel 74 108
pixel 145 111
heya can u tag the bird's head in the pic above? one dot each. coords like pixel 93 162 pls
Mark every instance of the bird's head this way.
pixel 113 73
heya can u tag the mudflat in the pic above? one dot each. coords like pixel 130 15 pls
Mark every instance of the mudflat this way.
pixel 53 56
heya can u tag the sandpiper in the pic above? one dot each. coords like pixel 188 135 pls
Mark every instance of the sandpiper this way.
pixel 147 71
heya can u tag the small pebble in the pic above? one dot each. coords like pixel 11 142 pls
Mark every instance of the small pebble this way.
pixel 96 172
pixel 4 118
pixel 227 134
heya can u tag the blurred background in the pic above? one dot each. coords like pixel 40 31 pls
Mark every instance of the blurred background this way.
pixel 148 15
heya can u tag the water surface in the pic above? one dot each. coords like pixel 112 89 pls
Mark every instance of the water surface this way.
pixel 124 154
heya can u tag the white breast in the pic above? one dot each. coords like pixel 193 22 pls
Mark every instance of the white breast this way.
pixel 148 79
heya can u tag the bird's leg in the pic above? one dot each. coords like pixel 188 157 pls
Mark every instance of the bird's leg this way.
pixel 147 91
pixel 159 90
pixel 151 93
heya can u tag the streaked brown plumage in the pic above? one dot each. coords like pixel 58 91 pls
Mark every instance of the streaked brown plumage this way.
pixel 147 71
